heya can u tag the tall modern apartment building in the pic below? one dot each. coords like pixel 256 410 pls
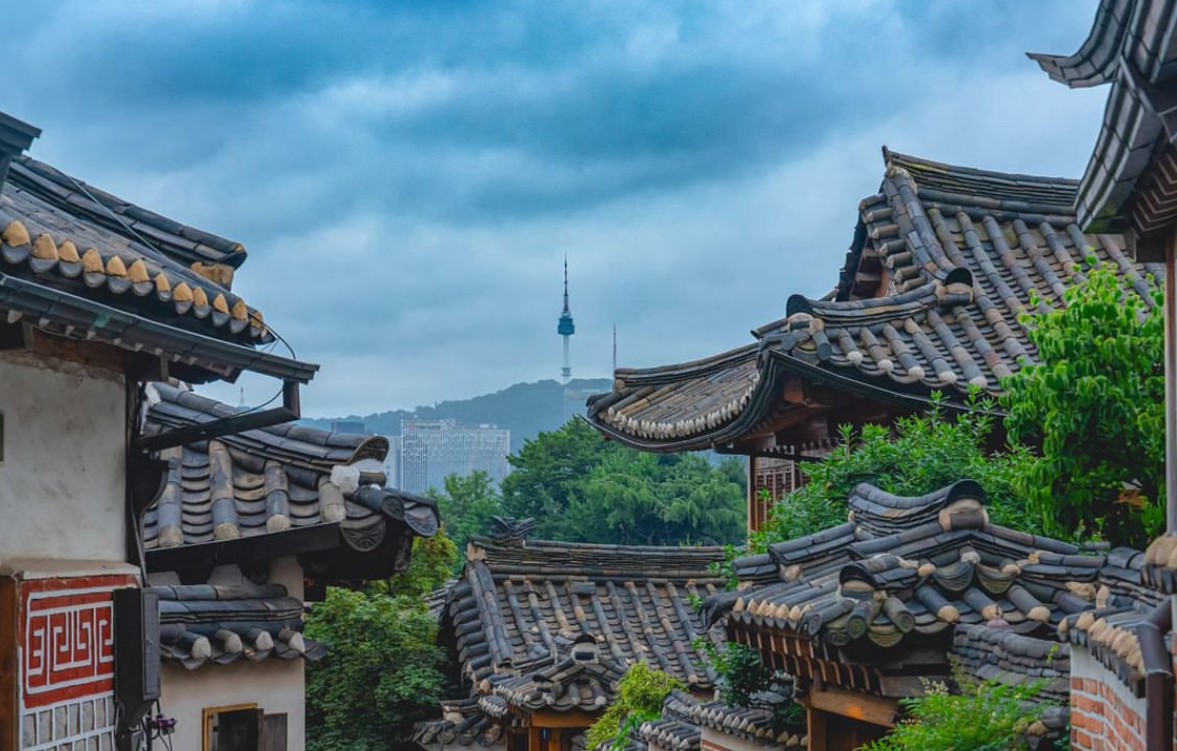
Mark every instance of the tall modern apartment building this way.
pixel 431 450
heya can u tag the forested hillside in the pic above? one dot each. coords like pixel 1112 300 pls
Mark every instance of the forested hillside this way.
pixel 526 409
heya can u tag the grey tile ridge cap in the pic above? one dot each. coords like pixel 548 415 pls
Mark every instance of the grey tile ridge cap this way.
pixel 361 447
pixel 702 551
pixel 25 170
pixel 661 374
pixel 935 186
pixel 840 313
pixel 865 493
pixel 900 159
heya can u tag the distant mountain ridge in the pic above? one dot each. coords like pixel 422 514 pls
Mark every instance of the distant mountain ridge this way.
pixel 526 409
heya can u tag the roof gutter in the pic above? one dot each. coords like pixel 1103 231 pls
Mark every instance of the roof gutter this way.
pixel 136 333
pixel 1158 676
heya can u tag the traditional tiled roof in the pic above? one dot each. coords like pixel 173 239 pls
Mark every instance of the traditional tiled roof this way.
pixel 956 255
pixel 985 653
pixel 1160 564
pixel 1125 633
pixel 906 571
pixel 548 626
pixel 464 723
pixel 265 482
pixel 1131 179
pixel 83 263
pixel 582 680
pixel 681 725
pixel 221 624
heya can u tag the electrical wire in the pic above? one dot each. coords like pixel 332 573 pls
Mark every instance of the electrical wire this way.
pixel 132 231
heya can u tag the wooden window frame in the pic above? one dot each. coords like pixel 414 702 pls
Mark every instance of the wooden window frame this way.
pixel 206 721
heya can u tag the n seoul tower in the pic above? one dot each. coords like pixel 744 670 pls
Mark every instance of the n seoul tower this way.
pixel 566 328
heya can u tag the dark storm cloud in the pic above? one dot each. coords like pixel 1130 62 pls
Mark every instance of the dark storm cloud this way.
pixel 407 176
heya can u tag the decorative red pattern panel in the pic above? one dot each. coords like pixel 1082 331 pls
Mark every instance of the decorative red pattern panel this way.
pixel 67 638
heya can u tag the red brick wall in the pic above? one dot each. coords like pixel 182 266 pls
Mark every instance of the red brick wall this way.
pixel 1105 716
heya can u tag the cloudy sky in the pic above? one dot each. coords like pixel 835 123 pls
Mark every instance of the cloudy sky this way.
pixel 409 176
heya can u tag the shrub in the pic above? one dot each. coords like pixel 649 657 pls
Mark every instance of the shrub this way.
pixel 1094 408
pixel 639 700
pixel 989 716
pixel 922 453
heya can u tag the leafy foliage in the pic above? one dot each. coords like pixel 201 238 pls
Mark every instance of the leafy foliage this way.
pixel 989 716
pixel 740 669
pixel 583 489
pixel 639 699
pixel 468 504
pixel 743 677
pixel 383 673
pixel 384 670
pixel 1095 407
pixel 433 561
pixel 922 453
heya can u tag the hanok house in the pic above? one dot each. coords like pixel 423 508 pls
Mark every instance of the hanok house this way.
pixel 245 529
pixel 943 261
pixel 863 614
pixel 1129 186
pixel 541 633
pixel 96 296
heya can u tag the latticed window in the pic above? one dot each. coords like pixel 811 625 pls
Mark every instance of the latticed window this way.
pixel 778 477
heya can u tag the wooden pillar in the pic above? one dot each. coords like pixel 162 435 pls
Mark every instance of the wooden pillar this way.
pixel 753 516
pixel 533 742
pixel 816 729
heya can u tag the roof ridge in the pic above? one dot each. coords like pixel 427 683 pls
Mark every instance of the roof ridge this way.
pixel 900 159
pixel 120 215
pixel 286 436
pixel 643 376
pixel 485 541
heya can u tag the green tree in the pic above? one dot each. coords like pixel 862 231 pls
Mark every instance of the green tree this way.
pixel 549 471
pixel 383 673
pixel 639 699
pixel 581 488
pixel 920 454
pixel 384 670
pixel 433 562
pixel 1094 407
pixel 633 498
pixel 468 504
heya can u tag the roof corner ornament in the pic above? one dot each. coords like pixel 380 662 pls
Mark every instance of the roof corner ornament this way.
pixel 511 531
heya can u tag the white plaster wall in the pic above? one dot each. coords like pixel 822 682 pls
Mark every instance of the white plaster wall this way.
pixel 63 476
pixel 287 572
pixel 274 685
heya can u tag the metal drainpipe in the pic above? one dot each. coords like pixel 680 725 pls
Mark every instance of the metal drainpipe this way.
pixel 1158 678
pixel 1162 716
pixel 1170 311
